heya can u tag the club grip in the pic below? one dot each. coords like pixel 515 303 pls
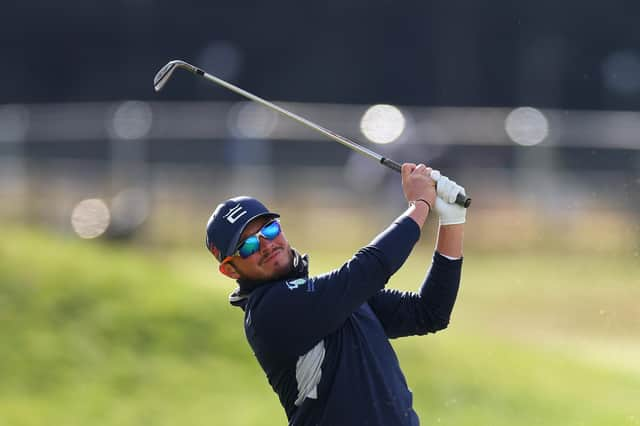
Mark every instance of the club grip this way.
pixel 391 164
pixel 461 200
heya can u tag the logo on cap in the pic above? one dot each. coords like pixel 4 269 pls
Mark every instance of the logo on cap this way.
pixel 235 213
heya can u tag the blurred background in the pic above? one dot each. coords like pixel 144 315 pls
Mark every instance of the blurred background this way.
pixel 112 312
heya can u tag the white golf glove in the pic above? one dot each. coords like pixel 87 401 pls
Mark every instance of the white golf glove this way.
pixel 449 213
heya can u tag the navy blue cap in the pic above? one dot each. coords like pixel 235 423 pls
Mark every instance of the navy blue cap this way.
pixel 228 221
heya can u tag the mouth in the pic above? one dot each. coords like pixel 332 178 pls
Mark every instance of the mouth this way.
pixel 271 256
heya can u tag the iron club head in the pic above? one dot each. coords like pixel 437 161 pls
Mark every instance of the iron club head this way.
pixel 166 72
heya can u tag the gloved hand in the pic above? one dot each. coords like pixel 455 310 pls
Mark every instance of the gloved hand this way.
pixel 449 213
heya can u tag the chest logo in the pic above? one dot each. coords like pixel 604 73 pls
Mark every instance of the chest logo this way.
pixel 294 284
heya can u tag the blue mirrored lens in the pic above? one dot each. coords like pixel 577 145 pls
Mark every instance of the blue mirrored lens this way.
pixel 271 230
pixel 249 246
pixel 252 243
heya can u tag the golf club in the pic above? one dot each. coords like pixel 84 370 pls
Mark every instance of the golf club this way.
pixel 165 73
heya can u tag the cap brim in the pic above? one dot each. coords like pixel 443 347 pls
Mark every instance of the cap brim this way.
pixel 236 238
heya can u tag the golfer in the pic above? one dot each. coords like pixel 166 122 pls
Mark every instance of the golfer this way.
pixel 323 341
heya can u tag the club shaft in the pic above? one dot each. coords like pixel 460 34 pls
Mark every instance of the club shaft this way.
pixel 461 199
pixel 336 137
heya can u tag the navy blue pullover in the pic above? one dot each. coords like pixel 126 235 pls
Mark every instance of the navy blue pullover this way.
pixel 323 341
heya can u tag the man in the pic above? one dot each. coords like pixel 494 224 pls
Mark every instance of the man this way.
pixel 323 341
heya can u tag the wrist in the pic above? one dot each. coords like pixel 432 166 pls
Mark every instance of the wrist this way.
pixel 418 211
pixel 421 201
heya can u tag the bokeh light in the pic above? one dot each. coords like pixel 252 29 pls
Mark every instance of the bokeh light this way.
pixel 249 120
pixel 132 120
pixel 129 209
pixel 221 58
pixel 527 126
pixel 382 123
pixel 14 123
pixel 621 72
pixel 90 218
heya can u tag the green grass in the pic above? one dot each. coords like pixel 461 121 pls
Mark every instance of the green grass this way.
pixel 95 334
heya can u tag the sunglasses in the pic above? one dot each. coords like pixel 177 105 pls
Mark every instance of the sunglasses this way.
pixel 251 244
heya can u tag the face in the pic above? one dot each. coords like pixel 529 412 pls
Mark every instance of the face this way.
pixel 271 261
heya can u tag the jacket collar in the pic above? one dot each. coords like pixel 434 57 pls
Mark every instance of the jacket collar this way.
pixel 299 269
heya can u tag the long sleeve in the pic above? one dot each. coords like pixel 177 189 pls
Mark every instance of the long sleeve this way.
pixel 294 315
pixel 429 310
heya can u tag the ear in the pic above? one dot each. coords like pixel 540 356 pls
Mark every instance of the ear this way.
pixel 229 270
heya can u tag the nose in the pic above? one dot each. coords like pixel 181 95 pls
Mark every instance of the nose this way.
pixel 265 244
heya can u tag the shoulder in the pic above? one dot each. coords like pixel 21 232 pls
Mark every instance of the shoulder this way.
pixel 274 300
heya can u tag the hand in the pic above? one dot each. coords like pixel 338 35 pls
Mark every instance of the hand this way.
pixel 417 183
pixel 449 212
